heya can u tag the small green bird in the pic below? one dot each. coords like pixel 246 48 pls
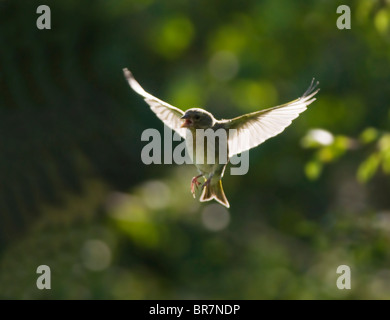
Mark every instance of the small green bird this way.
pixel 243 132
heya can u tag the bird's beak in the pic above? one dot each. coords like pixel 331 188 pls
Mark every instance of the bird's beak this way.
pixel 187 122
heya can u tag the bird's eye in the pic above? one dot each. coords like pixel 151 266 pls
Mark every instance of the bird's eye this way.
pixel 197 117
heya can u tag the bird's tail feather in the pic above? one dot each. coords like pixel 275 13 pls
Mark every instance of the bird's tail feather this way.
pixel 214 191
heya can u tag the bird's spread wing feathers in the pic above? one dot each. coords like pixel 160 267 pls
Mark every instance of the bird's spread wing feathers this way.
pixel 254 128
pixel 168 114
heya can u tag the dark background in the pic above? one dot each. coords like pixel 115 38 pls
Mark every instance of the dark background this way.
pixel 75 195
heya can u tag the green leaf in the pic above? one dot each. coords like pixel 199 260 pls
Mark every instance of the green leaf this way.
pixel 313 169
pixel 369 135
pixel 386 161
pixel 384 142
pixel 368 168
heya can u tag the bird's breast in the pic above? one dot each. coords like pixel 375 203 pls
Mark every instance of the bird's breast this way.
pixel 207 148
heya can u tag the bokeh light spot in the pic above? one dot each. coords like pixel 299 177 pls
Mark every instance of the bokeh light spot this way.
pixel 250 95
pixel 382 21
pixel 96 255
pixel 172 36
pixel 123 206
pixel 223 65
pixel 317 137
pixel 215 217
pixel 155 194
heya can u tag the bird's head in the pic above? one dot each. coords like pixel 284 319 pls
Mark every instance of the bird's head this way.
pixel 198 119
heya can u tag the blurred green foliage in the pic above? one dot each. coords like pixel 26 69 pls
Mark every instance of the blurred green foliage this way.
pixel 74 194
pixel 330 148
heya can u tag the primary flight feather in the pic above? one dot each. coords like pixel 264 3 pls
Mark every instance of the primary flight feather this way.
pixel 243 132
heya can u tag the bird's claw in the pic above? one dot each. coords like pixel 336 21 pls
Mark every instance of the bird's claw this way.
pixel 194 184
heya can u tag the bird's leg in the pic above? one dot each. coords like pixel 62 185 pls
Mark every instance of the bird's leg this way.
pixel 207 181
pixel 195 183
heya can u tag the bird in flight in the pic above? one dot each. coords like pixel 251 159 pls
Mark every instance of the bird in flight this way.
pixel 243 132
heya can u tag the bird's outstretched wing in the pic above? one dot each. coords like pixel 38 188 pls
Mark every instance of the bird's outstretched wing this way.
pixel 254 128
pixel 168 114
